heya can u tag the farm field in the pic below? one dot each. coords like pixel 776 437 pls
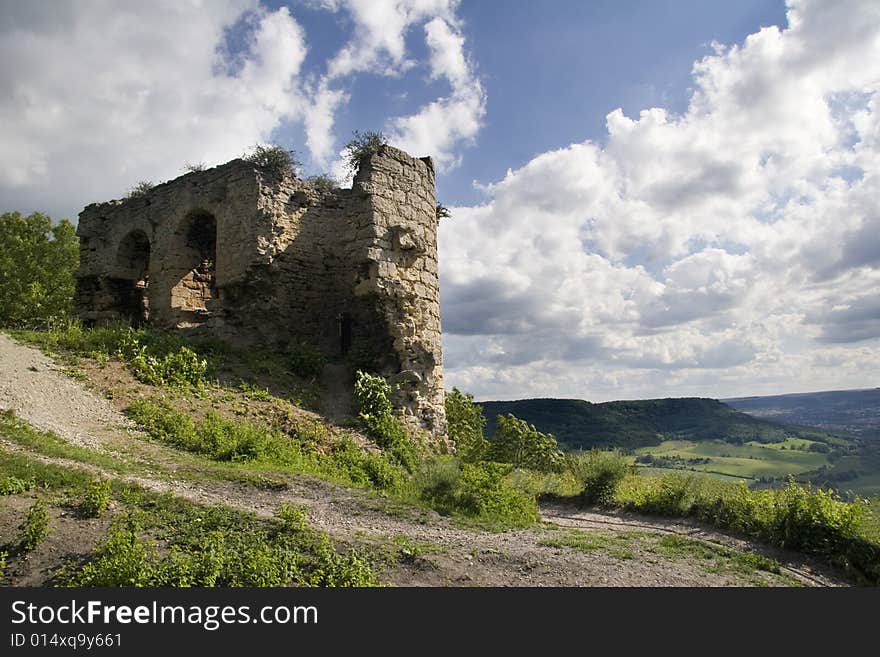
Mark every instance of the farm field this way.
pixel 747 461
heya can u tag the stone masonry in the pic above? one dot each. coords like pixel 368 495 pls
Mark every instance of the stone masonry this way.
pixel 249 256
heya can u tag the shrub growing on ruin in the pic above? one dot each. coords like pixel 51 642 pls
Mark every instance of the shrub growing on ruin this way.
pixel 274 159
pixel 372 396
pixel 361 145
pixel 140 189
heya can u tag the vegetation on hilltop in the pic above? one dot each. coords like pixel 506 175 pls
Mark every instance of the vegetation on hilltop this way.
pixel 580 424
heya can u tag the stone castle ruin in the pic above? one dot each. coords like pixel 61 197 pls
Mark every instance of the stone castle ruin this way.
pixel 257 257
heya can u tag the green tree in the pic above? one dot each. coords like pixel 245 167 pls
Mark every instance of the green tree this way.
pixel 466 422
pixel 37 262
pixel 442 212
pixel 520 443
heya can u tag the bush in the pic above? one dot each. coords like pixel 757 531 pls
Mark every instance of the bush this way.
pixel 599 473
pixel 519 443
pixel 372 399
pixel 795 518
pixel 35 527
pixel 274 159
pixel 3 555
pixel 37 262
pixel 466 422
pixel 96 499
pixel 181 368
pixel 291 518
pixel 478 491
pixel 305 360
pixel 361 145
pixel 140 189
pixel 323 181
pixel 12 485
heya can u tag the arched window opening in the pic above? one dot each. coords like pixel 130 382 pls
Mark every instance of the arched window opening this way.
pixel 129 286
pixel 196 290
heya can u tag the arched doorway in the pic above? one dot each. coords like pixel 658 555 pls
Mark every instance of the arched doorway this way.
pixel 196 258
pixel 130 284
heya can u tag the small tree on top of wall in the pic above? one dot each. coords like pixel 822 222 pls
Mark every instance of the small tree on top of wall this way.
pixel 273 158
pixel 362 144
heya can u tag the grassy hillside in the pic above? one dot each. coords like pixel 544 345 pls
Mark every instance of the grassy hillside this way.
pixel 632 424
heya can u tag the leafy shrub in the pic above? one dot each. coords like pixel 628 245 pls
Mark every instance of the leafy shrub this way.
pixel 37 262
pixel 441 212
pixel 96 499
pixel 181 368
pixel 373 470
pixel 122 560
pixel 3 555
pixel 323 181
pixel 218 557
pixel 272 158
pixel 796 518
pixel 305 360
pixel 140 189
pixel 188 167
pixel 35 526
pixel 12 485
pixel 466 422
pixel 372 398
pixel 361 145
pixel 599 473
pixel 519 443
pixel 291 518
pixel 477 491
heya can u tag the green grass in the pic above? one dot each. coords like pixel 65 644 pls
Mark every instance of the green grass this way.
pixel 796 518
pixel 749 460
pixel 239 441
pixel 213 546
pixel 621 545
pixel 161 540
pixel 20 432
pixel 632 544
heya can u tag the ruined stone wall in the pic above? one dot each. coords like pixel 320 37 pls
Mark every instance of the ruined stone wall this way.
pixel 254 258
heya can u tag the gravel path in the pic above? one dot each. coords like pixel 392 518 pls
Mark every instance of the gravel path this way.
pixel 32 386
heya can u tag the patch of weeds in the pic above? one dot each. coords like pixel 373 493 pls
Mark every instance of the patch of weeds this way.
pixel 97 499
pixel 35 527
pixel 716 558
pixel 305 360
pixel 12 485
pixel 620 545
pixel 46 476
pixel 253 391
pixel 3 555
pixel 166 541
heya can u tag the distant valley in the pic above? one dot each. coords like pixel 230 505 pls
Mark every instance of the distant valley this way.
pixel 829 439
pixel 854 412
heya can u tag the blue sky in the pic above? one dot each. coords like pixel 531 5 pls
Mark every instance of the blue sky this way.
pixel 649 199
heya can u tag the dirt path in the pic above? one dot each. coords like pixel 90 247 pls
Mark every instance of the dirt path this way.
pixel 32 386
